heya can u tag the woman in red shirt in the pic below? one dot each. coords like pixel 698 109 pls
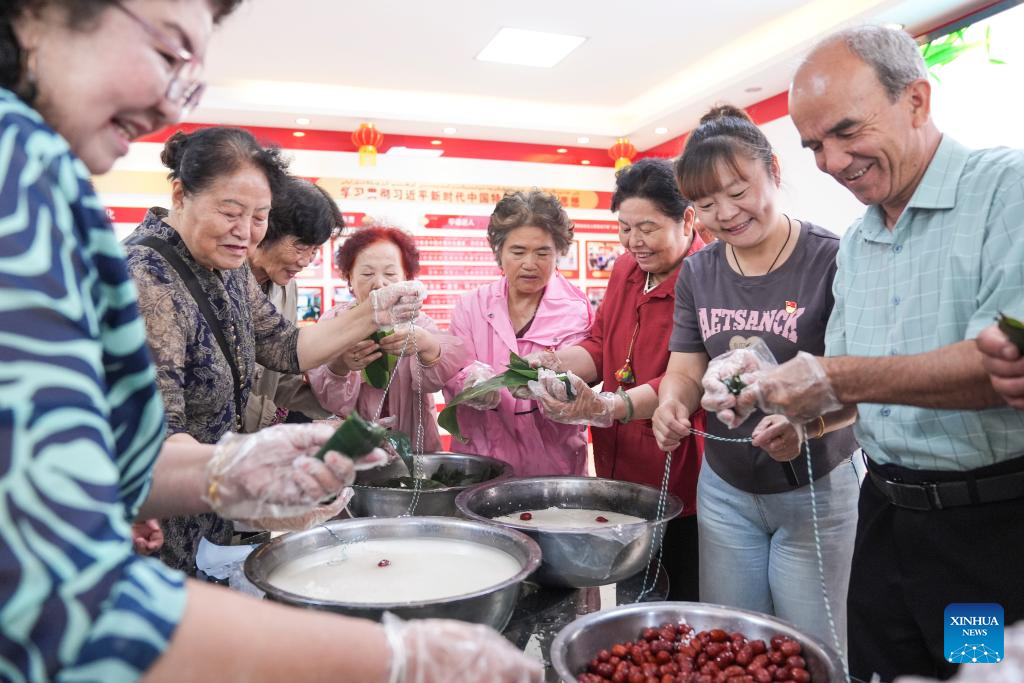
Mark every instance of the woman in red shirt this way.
pixel 627 350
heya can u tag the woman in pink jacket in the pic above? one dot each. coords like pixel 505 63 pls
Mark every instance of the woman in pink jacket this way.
pixel 370 259
pixel 531 308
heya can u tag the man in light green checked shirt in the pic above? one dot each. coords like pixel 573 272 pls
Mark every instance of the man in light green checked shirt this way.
pixel 938 253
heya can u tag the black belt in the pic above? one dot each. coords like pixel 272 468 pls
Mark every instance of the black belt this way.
pixel 938 495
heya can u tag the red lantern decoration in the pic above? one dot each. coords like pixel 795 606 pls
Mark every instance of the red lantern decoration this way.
pixel 367 139
pixel 622 153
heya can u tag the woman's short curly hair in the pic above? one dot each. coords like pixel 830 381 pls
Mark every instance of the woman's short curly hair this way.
pixel 362 238
pixel 535 208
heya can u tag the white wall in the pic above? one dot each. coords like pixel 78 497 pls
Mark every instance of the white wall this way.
pixel 808 193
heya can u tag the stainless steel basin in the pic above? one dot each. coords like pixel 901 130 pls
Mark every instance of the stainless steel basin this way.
pixel 578 558
pixel 370 499
pixel 492 606
pixel 580 641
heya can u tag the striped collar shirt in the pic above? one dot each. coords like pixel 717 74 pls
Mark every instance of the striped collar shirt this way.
pixel 952 261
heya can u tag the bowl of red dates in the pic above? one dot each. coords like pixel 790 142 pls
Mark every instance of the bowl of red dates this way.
pixel 578 558
pixel 689 642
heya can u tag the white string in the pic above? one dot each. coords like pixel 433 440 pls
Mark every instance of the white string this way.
pixel 418 435
pixel 417 444
pixel 817 539
pixel 658 531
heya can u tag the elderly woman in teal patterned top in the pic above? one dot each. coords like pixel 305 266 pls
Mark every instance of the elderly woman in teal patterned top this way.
pixel 81 423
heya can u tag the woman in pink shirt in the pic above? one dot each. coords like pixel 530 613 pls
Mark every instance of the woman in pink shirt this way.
pixel 370 259
pixel 531 308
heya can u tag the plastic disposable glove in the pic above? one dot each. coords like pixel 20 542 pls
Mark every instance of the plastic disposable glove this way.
pixel 446 651
pixel 545 359
pixel 799 389
pixel 588 408
pixel 397 303
pixel 779 438
pixel 315 517
pixel 747 364
pixel 538 359
pixel 335 421
pixel 523 393
pixel 477 372
pixel 271 475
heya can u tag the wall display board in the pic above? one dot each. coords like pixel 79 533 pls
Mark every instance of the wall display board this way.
pixel 455 258
pixel 596 296
pixel 601 256
pixel 310 304
pixel 569 265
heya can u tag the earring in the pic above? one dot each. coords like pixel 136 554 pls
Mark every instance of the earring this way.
pixel 30 89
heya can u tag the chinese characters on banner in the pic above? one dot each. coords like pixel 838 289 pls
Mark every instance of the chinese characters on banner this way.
pixel 453 260
pixel 354 188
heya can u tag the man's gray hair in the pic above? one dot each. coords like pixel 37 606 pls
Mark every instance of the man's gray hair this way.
pixel 892 53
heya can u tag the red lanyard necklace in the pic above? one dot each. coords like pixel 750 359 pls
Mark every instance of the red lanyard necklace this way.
pixel 625 374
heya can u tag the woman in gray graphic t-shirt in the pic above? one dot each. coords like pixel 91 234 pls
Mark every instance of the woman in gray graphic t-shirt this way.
pixel 767 277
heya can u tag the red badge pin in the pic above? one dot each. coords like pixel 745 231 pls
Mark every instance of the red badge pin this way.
pixel 790 306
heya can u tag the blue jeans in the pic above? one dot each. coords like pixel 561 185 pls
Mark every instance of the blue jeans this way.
pixel 757 551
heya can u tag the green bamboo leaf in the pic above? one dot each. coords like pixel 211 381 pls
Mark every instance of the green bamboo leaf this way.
pixel 355 438
pixel 517 362
pixel 448 419
pixel 1013 329
pixel 378 373
pixel 519 373
pixel 401 445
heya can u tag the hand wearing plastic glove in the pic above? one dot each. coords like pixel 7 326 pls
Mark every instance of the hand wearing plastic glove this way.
pixel 335 422
pixel 316 516
pixel 397 303
pixel 779 438
pixel 799 389
pixel 545 359
pixel 445 651
pixel 272 475
pixel 739 365
pixel 588 408
pixel 538 359
pixel 477 373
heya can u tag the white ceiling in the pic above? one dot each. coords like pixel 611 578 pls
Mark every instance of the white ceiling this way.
pixel 409 66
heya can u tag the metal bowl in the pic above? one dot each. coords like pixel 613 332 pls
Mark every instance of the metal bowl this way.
pixel 578 558
pixel 580 641
pixel 492 606
pixel 373 500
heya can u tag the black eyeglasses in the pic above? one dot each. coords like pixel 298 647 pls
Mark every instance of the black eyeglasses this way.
pixel 186 85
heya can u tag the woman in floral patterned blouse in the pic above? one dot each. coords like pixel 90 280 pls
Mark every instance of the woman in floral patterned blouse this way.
pixel 222 183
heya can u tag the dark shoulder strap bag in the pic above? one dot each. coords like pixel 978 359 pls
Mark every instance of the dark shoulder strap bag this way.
pixel 203 302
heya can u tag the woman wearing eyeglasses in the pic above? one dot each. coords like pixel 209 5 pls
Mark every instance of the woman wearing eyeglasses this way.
pixel 303 218
pixel 82 424
pixel 627 350
pixel 208 324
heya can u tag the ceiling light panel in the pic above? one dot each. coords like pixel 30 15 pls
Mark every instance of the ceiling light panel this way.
pixel 529 48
